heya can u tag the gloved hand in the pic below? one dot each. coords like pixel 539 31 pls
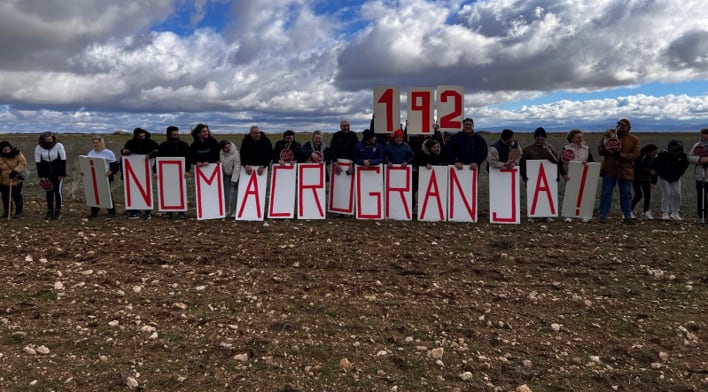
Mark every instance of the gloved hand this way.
pixel 13 174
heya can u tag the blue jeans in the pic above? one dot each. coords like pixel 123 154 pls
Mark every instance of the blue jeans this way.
pixel 625 188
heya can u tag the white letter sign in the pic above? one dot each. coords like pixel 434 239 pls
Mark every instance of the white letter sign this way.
pixel 137 182
pixel 209 189
pixel 97 188
pixel 171 184
pixel 462 205
pixel 282 192
pixel 504 195
pixel 250 203
pixel 311 191
pixel 580 190
pixel 399 192
pixel 451 106
pixel 432 193
pixel 541 189
pixel 341 189
pixel 369 183
pixel 420 111
pixel 387 109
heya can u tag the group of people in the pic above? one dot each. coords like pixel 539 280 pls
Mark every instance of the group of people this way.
pixel 625 164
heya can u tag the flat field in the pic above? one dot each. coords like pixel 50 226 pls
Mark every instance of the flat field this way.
pixel 347 305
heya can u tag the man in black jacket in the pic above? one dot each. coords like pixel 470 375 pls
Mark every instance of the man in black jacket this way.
pixel 256 151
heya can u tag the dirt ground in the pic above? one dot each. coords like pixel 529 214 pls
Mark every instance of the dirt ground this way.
pixel 346 305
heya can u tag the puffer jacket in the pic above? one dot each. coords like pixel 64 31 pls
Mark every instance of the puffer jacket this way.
pixel 16 161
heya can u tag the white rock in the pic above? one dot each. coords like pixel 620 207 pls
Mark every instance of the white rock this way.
pixel 466 376
pixel 436 353
pixel 137 289
pixel 29 349
pixel 344 363
pixel 131 382
pixel 655 365
pixel 180 305
pixel 555 327
pixel 120 293
pixel 58 285
pixel 147 328
pixel 200 288
pixel 409 339
pixel 44 350
pixel 664 355
pixel 440 363
pixel 241 357
pixel 43 260
pixel 113 323
pixel 29 258
pixel 595 358
pixel 153 336
pixel 382 353
pixel 33 382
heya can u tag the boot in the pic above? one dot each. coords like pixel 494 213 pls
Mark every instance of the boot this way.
pixel 50 215
pixel 57 213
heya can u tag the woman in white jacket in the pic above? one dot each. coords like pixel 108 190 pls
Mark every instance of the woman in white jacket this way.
pixel 231 169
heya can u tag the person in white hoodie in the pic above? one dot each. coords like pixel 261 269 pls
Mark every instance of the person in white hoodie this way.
pixel 231 169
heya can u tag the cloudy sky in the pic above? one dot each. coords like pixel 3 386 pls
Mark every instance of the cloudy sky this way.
pixel 102 65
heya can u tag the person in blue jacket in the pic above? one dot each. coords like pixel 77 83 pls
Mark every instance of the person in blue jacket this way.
pixel 398 152
pixel 466 148
pixel 368 152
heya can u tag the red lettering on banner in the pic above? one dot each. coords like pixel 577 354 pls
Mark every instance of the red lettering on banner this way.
pixel 350 203
pixel 446 121
pixel 375 195
pixel 583 179
pixel 131 176
pixel 251 189
pixel 387 99
pixel 302 187
pixel 161 164
pixel 423 107
pixel 215 175
pixel 542 188
pixel 94 183
pixel 400 191
pixel 273 191
pixel 470 205
pixel 432 184
pixel 495 217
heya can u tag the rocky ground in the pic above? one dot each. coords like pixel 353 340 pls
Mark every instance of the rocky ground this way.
pixel 346 305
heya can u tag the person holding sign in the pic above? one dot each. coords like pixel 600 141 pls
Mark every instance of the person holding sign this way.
pixel 540 149
pixel 698 155
pixel 174 147
pixel 619 149
pixel 398 151
pixel 286 150
pixel 342 146
pixel 50 157
pixel 231 169
pixel 575 151
pixel 466 148
pixel 12 164
pixel 204 149
pixel 315 151
pixel 506 152
pixel 99 150
pixel 368 152
pixel 256 151
pixel 140 144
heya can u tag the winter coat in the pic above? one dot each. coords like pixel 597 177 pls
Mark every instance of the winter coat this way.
pixel 175 148
pixel 51 162
pixel 622 168
pixel 256 153
pixel 398 153
pixel 671 166
pixel 700 171
pixel 374 153
pixel 343 144
pixel 466 148
pixel 231 163
pixel 14 161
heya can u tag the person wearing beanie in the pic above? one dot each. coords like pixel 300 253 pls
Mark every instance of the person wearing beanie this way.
pixel 618 168
pixel 505 153
pixel 368 152
pixel 540 149
pixel 466 148
pixel 12 165
pixel 398 151
pixel 50 157
pixel 174 147
pixel 698 156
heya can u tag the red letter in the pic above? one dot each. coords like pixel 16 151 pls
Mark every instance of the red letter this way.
pixel 470 205
pixel 496 218
pixel 436 194
pixel 400 191
pixel 539 188
pixel 251 189
pixel 301 187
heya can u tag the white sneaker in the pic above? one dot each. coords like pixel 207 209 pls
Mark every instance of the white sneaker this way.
pixel 585 220
pixel 675 216
pixel 648 215
pixel 665 216
pixel 568 220
pixel 633 216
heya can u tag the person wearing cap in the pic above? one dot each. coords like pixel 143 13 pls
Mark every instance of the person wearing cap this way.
pixel 140 144
pixel 506 152
pixel 50 157
pixel 540 149
pixel 342 145
pixel 618 168
pixel 398 151
pixel 698 156
pixel 466 148
pixel 368 152
pixel 286 150
pixel 12 165
pixel 256 151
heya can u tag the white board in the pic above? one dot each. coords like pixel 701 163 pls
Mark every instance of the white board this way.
pixel 209 190
pixel 581 189
pixel 541 189
pixel 398 192
pixel 504 195
pixel 171 184
pixel 462 194
pixel 369 189
pixel 97 188
pixel 251 200
pixel 432 193
pixel 137 182
pixel 341 189
pixel 311 196
pixel 281 204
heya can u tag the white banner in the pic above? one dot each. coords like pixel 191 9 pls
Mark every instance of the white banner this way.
pixel 97 188
pixel 581 189
pixel 504 195
pixel 282 191
pixel 541 189
pixel 369 186
pixel 432 193
pixel 311 190
pixel 462 196
pixel 341 189
pixel 387 109
pixel 209 190
pixel 251 200
pixel 451 107
pixel 398 191
pixel 420 114
pixel 137 182
pixel 171 184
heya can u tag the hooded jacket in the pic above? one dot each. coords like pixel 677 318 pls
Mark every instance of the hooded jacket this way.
pixel 145 146
pixel 13 161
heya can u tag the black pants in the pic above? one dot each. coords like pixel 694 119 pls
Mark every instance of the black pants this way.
pixel 702 199
pixel 17 199
pixel 54 197
pixel 639 189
